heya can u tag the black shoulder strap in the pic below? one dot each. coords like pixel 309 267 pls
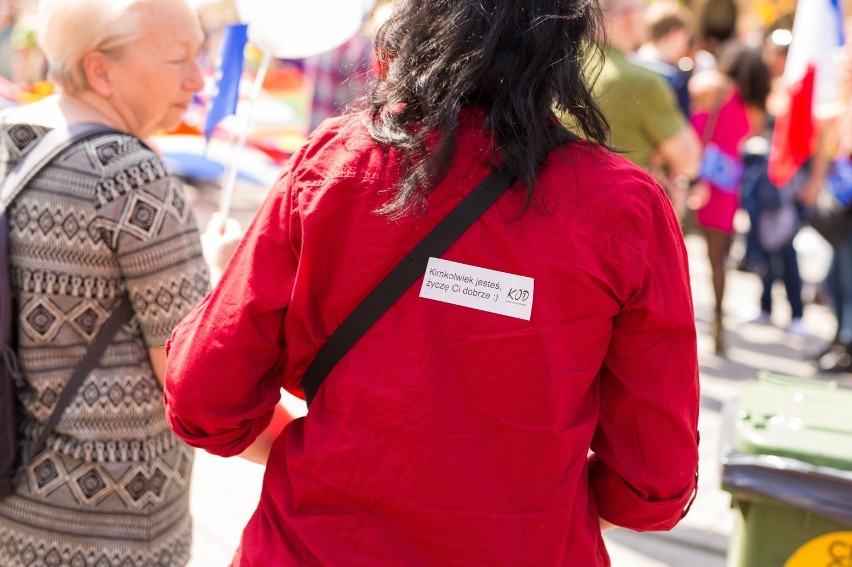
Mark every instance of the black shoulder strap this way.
pixel 51 145
pixel 401 278
pixel 111 327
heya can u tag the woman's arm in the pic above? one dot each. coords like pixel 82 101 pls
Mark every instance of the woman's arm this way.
pixel 258 451
pixel 227 358
pixel 643 471
pixel 158 363
pixel 162 261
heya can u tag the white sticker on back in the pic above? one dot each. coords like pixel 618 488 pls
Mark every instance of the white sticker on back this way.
pixel 478 288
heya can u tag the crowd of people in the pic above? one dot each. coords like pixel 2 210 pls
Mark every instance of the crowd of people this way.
pixel 692 99
pixel 541 386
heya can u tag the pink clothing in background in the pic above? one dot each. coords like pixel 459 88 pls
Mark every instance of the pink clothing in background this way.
pixel 728 135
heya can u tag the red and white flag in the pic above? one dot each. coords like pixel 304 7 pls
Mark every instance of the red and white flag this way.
pixel 812 77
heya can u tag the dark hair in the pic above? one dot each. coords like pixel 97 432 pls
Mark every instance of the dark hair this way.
pixel 747 68
pixel 718 23
pixel 517 59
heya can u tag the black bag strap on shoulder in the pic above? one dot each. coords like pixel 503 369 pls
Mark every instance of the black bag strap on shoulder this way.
pixel 402 277
pixel 50 146
pixel 113 324
pixel 28 166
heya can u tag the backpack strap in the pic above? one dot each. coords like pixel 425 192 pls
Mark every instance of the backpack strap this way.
pixel 122 313
pixel 51 145
pixel 28 166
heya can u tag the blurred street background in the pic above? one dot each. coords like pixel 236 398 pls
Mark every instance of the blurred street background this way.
pixel 295 92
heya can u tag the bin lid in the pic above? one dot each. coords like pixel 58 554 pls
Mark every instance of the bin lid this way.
pixel 804 419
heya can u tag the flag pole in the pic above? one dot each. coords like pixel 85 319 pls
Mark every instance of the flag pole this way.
pixel 230 175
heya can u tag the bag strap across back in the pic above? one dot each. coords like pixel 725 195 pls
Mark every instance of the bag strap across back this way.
pixel 402 277
pixel 29 165
pixel 119 316
pixel 50 146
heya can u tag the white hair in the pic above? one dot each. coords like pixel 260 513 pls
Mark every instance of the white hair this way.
pixel 69 29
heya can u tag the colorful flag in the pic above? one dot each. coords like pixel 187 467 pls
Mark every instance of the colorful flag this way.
pixel 228 72
pixel 812 78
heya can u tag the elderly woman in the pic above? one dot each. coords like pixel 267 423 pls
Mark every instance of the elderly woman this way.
pixel 456 433
pixel 104 219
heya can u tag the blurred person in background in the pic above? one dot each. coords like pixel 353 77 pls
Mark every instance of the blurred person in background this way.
pixel 728 107
pixel 717 25
pixel 7 24
pixel 104 219
pixel 453 435
pixel 760 196
pixel 338 77
pixel 831 167
pixel 646 121
pixel 775 47
pixel 670 33
pixel 342 76
pixel 27 65
pixel 763 200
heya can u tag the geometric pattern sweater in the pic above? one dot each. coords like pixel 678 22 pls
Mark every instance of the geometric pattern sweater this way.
pixel 102 220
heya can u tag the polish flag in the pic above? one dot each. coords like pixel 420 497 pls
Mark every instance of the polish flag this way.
pixel 812 77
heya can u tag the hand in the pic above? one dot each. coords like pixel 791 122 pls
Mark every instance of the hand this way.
pixel 258 451
pixel 219 242
pixel 698 196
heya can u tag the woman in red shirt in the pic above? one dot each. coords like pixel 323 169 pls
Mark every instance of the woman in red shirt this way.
pixel 454 435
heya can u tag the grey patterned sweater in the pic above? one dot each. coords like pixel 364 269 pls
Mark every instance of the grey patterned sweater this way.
pixel 103 219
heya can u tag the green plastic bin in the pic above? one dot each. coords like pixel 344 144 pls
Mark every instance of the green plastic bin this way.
pixel 788 468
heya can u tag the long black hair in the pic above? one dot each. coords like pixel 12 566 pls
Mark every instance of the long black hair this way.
pixel 517 59
pixel 746 66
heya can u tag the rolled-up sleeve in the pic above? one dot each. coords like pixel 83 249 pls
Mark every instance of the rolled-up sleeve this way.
pixel 643 470
pixel 226 358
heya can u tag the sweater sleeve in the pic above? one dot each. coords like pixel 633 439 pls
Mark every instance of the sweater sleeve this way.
pixel 226 359
pixel 147 220
pixel 643 471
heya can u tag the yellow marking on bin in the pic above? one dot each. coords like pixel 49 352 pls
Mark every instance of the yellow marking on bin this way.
pixel 829 550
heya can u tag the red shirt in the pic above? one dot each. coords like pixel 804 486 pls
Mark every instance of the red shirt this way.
pixel 450 435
